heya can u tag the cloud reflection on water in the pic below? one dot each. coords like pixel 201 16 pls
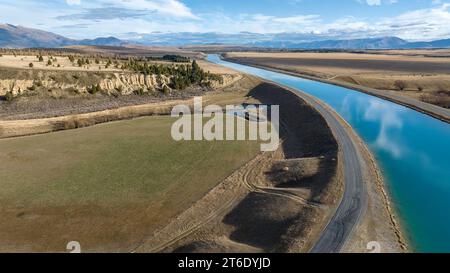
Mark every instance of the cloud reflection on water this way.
pixel 387 115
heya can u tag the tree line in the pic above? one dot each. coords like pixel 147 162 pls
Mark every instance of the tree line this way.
pixel 182 75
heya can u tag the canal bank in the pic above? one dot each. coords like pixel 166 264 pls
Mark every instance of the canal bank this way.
pixel 440 113
pixel 410 148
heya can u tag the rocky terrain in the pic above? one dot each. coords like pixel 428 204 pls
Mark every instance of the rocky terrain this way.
pixel 124 83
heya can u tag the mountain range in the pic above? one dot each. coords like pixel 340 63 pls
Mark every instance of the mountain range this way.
pixel 370 43
pixel 21 37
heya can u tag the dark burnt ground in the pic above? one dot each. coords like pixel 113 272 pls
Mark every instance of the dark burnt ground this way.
pixel 272 223
pixel 305 134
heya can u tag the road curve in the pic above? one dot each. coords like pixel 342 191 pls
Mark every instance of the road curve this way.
pixel 354 201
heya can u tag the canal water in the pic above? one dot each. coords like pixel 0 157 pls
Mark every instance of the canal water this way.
pixel 412 149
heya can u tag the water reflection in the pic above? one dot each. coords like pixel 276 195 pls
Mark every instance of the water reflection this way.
pixel 390 125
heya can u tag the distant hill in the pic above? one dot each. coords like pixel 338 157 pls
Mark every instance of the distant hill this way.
pixel 434 44
pixel 372 43
pixel 17 36
pixel 20 37
pixel 282 40
pixel 109 41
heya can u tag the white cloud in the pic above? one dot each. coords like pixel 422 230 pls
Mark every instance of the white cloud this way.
pixel 422 24
pixel 299 19
pixel 88 19
pixel 73 2
pixel 378 2
pixel 373 2
pixel 167 7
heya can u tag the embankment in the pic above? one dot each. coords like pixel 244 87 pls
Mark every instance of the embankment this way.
pixel 291 192
pixel 15 128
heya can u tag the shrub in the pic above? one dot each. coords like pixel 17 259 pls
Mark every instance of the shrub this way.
pixel 400 85
pixel 94 89
pixel 9 96
pixel 139 92
pixel 436 98
pixel 165 89
pixel 31 65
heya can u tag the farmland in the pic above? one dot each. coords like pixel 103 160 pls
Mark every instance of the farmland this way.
pixel 106 186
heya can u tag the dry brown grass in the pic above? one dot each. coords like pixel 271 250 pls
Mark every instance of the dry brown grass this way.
pixel 134 51
pixel 22 62
pixel 412 75
pixel 16 128
pixel 415 52
pixel 95 113
pixel 440 98
pixel 108 186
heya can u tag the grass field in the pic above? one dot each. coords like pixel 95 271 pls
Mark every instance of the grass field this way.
pixel 106 186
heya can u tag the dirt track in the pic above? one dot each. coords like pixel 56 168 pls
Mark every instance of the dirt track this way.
pixel 290 192
pixel 15 128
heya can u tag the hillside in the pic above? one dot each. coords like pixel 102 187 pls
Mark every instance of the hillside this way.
pixel 21 37
pixel 18 37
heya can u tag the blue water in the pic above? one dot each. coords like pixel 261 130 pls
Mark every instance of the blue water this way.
pixel 412 150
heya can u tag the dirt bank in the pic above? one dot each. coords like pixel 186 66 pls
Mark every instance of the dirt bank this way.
pixel 22 118
pixel 15 128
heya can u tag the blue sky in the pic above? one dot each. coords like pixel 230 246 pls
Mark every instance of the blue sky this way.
pixel 408 19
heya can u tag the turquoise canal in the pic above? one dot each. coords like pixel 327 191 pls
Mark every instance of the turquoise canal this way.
pixel 411 148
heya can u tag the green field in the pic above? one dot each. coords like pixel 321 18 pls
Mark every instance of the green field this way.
pixel 106 186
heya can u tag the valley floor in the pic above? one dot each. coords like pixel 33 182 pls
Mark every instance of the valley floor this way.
pixel 127 186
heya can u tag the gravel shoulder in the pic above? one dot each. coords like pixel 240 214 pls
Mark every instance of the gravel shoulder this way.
pixel 365 213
